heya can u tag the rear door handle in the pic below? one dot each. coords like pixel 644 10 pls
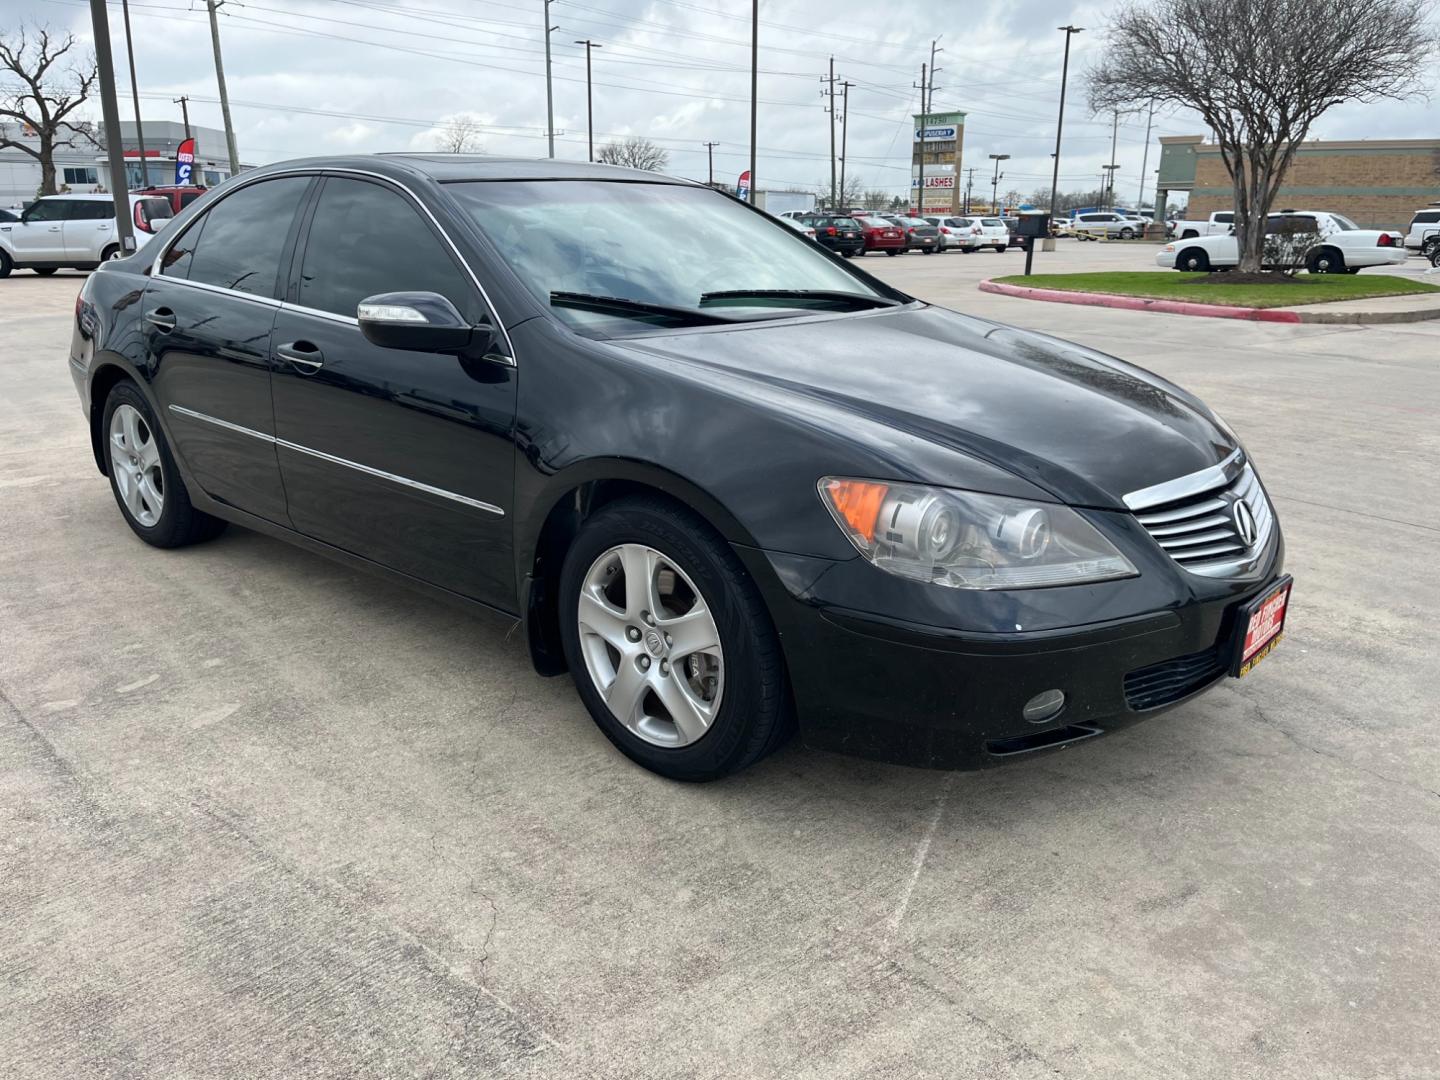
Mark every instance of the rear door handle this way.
pixel 162 318
pixel 302 354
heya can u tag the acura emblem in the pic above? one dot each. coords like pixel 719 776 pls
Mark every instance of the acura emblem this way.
pixel 1245 525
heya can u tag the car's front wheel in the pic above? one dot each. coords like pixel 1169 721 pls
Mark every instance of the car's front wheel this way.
pixel 1193 260
pixel 669 642
pixel 144 477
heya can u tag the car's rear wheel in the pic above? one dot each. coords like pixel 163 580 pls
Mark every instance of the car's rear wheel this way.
pixel 6 265
pixel 1193 261
pixel 893 251
pixel 45 271
pixel 111 252
pixel 144 477
pixel 669 642
pixel 1325 261
pixel 1127 234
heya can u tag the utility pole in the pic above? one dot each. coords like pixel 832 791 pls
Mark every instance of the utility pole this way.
pixel 1107 184
pixel 135 94
pixel 1145 163
pixel 754 85
pixel 829 92
pixel 1059 127
pixel 214 5
pixel 844 130
pixel 924 116
pixel 589 98
pixel 969 186
pixel 549 86
pixel 184 103
pixel 1114 141
pixel 995 183
pixel 710 152
pixel 110 110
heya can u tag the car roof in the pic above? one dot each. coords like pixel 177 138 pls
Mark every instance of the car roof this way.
pixel 449 168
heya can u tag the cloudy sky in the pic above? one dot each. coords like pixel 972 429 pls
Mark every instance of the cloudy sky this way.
pixel 327 76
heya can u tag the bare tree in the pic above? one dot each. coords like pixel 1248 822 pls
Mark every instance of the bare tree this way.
pixel 49 93
pixel 1260 73
pixel 461 136
pixel 875 199
pixel 635 153
pixel 852 195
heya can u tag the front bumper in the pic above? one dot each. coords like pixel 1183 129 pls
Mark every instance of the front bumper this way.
pixel 934 697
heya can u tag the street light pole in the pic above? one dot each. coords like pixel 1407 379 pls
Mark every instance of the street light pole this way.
pixel 995 182
pixel 110 110
pixel 1059 127
pixel 1114 141
pixel 1145 160
pixel 754 85
pixel 213 6
pixel 589 97
pixel 135 93
pixel 549 85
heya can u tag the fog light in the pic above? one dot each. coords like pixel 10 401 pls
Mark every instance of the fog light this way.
pixel 1044 706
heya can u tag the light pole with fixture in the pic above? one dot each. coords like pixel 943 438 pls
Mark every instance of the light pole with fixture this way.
pixel 1059 125
pixel 995 182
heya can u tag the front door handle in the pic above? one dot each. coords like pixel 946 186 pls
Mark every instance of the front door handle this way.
pixel 302 354
pixel 162 318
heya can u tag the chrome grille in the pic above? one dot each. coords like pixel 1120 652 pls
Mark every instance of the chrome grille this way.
pixel 1196 521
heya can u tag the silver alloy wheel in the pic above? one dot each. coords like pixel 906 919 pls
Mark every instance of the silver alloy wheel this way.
pixel 651 645
pixel 135 464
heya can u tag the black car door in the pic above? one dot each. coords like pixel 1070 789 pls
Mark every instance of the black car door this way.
pixel 402 457
pixel 209 307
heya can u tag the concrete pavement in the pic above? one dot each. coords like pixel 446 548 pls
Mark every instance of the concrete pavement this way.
pixel 264 816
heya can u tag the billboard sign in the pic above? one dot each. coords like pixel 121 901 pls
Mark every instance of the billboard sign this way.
pixel 932 182
pixel 935 134
pixel 185 163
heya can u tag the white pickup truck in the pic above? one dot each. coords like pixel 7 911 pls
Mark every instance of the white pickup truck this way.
pixel 1217 224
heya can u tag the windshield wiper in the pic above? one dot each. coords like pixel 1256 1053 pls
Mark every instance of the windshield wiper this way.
pixel 829 296
pixel 622 305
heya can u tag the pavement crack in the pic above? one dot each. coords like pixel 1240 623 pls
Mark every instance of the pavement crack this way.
pixel 922 852
pixel 474 888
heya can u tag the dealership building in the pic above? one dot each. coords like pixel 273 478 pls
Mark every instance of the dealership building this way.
pixel 938 140
pixel 86 169
pixel 1377 183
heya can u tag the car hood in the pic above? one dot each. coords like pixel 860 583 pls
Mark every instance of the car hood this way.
pixel 1084 426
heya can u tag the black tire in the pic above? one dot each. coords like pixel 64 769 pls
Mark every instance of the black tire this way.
pixel 179 523
pixel 1325 260
pixel 927 251
pixel 1127 234
pixel 894 251
pixel 1193 261
pixel 111 252
pixel 44 271
pixel 848 254
pixel 754 716
pixel 1431 250
pixel 6 265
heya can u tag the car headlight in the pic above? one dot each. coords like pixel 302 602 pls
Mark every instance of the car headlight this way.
pixel 965 540
pixel 1168 247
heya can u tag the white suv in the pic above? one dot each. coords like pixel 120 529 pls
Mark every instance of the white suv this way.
pixel 76 231
pixel 1424 225
pixel 1108 223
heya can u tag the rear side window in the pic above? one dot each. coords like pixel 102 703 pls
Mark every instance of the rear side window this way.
pixel 1427 217
pixel 156 209
pixel 366 239
pixel 187 198
pixel 1225 219
pixel 92 210
pixel 237 244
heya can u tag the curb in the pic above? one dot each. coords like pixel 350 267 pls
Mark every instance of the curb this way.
pixel 1140 303
pixel 1212 311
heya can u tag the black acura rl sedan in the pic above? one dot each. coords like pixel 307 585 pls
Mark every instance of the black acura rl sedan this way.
pixel 730 482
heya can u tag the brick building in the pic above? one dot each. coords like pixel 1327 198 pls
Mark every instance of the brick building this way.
pixel 1377 183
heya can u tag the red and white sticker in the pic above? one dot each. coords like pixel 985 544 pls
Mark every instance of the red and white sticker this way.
pixel 1263 631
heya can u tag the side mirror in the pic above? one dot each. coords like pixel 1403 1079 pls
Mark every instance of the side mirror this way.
pixel 419 322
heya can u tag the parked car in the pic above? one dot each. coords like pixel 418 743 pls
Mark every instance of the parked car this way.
pixel 838 233
pixel 1340 246
pixel 1107 223
pixel 74 231
pixel 477 377
pixel 986 232
pixel 954 232
pixel 881 234
pixel 800 226
pixel 1012 226
pixel 179 196
pixel 1217 223
pixel 920 235
pixel 1423 226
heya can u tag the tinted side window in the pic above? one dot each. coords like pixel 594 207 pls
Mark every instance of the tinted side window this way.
pixel 367 239
pixel 239 247
pixel 1225 219
pixel 92 210
pixel 187 199
pixel 50 210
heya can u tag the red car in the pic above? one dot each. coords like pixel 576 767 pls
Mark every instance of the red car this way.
pixel 882 235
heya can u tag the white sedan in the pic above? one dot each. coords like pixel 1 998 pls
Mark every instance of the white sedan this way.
pixel 1341 246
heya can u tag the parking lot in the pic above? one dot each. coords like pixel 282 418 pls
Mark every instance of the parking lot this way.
pixel 261 815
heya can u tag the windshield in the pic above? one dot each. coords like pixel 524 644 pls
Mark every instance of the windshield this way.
pixel 665 246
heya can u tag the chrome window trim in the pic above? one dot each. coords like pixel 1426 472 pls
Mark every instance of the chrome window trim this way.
pixel 241 182
pixel 1182 487
pixel 301 309
pixel 268 301
pixel 381 474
